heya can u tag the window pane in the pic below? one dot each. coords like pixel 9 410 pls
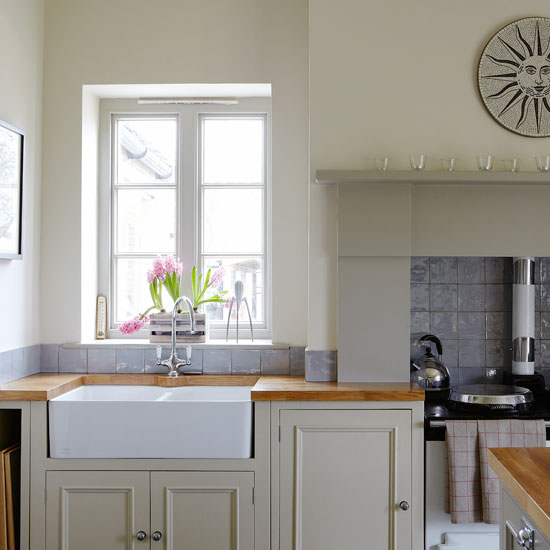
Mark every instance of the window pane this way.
pixel 146 220
pixel 233 150
pixel 132 288
pixel 232 221
pixel 247 270
pixel 146 151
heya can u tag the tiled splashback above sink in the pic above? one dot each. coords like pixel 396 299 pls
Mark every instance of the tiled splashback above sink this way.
pixel 467 303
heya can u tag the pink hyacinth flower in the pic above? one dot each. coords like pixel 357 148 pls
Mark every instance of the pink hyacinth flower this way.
pixel 169 264
pixel 150 276
pixel 158 269
pixel 133 325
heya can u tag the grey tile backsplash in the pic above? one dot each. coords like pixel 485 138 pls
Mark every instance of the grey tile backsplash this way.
pixel 56 358
pixel 467 303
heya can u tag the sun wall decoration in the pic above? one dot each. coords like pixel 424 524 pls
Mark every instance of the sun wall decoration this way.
pixel 514 76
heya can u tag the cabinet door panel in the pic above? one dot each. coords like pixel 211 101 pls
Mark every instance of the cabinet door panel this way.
pixel 91 510
pixel 203 510
pixel 342 476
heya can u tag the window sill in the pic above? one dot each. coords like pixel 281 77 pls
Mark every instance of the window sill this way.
pixel 118 343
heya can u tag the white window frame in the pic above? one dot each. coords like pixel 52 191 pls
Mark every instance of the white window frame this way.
pixel 188 220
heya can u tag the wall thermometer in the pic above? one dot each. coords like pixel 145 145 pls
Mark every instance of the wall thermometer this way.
pixel 101 317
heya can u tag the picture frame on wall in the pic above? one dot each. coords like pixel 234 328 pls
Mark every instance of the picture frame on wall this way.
pixel 12 161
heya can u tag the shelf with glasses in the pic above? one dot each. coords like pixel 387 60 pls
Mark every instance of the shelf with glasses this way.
pixel 489 177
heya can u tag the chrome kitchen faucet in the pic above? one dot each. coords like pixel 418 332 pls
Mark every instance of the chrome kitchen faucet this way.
pixel 174 362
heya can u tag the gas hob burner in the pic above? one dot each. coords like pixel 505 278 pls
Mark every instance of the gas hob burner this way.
pixel 495 398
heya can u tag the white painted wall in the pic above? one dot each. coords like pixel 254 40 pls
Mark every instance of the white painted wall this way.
pixel 164 42
pixel 395 78
pixel 21 42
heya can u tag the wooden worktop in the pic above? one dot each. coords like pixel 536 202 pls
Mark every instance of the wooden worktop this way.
pixel 295 388
pixel 526 472
pixel 42 387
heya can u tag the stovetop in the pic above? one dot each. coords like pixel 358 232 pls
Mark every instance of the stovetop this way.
pixel 438 409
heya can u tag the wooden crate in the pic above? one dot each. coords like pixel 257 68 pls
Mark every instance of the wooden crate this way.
pixel 160 328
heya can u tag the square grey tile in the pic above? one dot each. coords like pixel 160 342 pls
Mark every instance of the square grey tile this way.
pixel 471 325
pixel 150 361
pixel 538 297
pixel 18 362
pixel 420 297
pixel 471 270
pixel 538 330
pixel 538 270
pixel 498 354
pixel 471 297
pixel 275 361
pixel 443 269
pixel 130 361
pixel 544 270
pixel 321 365
pixel 216 361
pixel 471 353
pixel 544 298
pixel 31 357
pixel 499 325
pixel 444 324
pixel 196 361
pixel 6 366
pixel 545 325
pixel 49 358
pixel 245 361
pixel 498 297
pixel 443 297
pixel 297 360
pixel 450 352
pixel 420 323
pixel 101 361
pixel 420 269
pixel 545 353
pixel 474 375
pixel 498 270
pixel 73 360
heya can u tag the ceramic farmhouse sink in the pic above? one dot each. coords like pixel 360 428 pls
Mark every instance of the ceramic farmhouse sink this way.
pixel 151 422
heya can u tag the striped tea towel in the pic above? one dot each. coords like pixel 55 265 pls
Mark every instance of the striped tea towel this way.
pixel 464 474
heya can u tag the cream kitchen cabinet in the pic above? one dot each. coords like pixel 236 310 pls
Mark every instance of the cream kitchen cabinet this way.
pixel 345 479
pixel 517 530
pixel 88 510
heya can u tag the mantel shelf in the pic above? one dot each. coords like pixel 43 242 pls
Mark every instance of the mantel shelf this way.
pixel 328 177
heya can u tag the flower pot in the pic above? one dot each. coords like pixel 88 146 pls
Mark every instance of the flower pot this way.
pixel 160 328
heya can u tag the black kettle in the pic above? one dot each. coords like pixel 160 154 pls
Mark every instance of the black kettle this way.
pixel 429 372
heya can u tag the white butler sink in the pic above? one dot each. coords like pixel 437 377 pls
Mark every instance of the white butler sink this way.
pixel 151 422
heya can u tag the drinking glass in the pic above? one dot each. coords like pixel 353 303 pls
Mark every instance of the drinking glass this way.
pixel 511 165
pixel 448 164
pixel 543 162
pixel 382 163
pixel 418 161
pixel 485 162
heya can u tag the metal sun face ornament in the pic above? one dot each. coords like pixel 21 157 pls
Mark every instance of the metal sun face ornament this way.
pixel 514 77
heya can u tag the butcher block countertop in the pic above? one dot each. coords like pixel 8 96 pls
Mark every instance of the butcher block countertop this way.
pixel 526 474
pixel 42 387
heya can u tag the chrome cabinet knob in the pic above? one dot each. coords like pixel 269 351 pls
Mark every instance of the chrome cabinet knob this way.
pixel 156 536
pixel 525 537
pixel 141 535
pixel 404 505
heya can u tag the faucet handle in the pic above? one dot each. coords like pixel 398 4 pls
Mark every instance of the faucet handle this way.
pixel 159 353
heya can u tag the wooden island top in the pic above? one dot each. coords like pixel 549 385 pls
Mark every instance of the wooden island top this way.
pixel 43 386
pixel 525 472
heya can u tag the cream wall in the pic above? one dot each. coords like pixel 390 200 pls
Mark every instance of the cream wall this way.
pixel 21 42
pixel 395 78
pixel 163 42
